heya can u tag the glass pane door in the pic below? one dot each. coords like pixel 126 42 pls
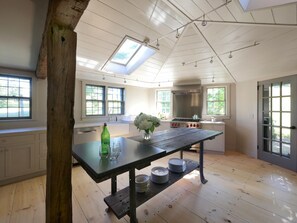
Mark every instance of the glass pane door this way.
pixel 277 120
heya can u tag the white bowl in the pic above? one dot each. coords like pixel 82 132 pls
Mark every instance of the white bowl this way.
pixel 159 175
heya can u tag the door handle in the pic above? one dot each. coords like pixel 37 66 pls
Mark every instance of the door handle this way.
pixel 293 127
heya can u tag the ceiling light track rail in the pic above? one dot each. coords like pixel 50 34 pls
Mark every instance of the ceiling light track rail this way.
pixel 228 52
pixel 248 23
pixel 191 20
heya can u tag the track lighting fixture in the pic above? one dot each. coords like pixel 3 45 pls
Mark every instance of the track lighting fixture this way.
pixel 212 79
pixel 204 22
pixel 159 84
pixel 157 44
pixel 228 52
pixel 103 78
pixel 125 81
pixel 177 34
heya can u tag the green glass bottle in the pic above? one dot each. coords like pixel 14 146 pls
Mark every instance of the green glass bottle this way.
pixel 105 142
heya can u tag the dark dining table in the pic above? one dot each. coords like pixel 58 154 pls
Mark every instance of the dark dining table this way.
pixel 137 153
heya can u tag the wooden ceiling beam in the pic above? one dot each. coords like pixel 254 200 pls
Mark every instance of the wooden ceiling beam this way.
pixel 64 12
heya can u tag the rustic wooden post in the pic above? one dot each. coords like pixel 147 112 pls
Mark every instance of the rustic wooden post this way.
pixel 61 63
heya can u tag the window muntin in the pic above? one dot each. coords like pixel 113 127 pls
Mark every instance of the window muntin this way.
pixel 95 100
pixel 216 101
pixel 163 100
pixel 115 101
pixel 15 97
pixel 126 52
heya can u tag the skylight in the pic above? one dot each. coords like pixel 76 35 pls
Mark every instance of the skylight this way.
pixel 129 55
pixel 248 5
pixel 126 52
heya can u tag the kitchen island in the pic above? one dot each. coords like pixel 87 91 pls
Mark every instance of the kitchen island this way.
pixel 136 154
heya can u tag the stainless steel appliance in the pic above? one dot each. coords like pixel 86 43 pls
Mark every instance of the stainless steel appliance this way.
pixel 185 123
pixel 187 101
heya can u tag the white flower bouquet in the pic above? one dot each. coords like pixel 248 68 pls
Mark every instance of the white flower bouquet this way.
pixel 145 122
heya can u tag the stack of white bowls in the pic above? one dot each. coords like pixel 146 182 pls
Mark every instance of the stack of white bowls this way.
pixel 177 165
pixel 159 175
pixel 142 183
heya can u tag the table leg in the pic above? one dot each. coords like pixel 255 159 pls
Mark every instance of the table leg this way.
pixel 113 184
pixel 201 153
pixel 181 154
pixel 132 195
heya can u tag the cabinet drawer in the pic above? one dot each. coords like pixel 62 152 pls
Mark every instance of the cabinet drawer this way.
pixel 17 139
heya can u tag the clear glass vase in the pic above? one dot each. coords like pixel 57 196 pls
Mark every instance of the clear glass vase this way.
pixel 146 135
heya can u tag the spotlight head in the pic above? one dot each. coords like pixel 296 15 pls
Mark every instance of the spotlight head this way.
pixel 230 55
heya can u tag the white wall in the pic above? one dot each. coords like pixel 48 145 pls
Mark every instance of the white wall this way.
pixel 246 117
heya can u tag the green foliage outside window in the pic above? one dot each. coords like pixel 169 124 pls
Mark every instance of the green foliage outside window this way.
pixel 163 102
pixel 216 101
pixel 15 97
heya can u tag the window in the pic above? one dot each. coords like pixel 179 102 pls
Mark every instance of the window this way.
pixel 95 100
pixel 15 97
pixel 163 102
pixel 216 101
pixel 115 101
pixel 128 56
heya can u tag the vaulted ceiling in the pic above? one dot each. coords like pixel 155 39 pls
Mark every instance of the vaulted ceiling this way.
pixel 263 43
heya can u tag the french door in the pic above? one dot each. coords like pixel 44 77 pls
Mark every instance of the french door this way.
pixel 277 120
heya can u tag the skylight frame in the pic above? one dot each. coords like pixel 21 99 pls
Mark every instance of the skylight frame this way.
pixel 121 45
pixel 144 52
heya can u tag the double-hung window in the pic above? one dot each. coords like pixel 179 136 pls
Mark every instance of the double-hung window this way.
pixel 163 99
pixel 95 100
pixel 15 97
pixel 115 101
pixel 216 103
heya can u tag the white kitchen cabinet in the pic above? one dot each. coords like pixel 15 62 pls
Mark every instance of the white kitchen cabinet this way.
pixel 2 162
pixel 42 151
pixel 17 155
pixel 19 160
pixel 118 129
pixel 217 144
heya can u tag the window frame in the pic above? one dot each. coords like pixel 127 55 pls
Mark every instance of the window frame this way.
pixel 170 102
pixel 103 101
pixel 106 113
pixel 19 97
pixel 122 101
pixel 227 114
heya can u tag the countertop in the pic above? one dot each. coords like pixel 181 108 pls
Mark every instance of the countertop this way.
pixel 214 123
pixel 43 128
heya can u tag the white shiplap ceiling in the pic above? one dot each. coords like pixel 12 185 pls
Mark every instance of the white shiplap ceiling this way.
pixel 106 22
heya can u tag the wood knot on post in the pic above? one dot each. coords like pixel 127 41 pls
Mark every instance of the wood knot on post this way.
pixel 62 38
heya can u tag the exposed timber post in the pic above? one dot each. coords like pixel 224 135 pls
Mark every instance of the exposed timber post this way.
pixel 61 63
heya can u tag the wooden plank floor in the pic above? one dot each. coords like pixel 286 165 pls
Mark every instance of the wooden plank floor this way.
pixel 239 190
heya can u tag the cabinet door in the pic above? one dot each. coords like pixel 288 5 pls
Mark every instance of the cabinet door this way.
pixel 42 151
pixel 19 160
pixel 2 162
pixel 218 143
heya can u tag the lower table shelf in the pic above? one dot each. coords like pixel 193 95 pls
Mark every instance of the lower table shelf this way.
pixel 119 202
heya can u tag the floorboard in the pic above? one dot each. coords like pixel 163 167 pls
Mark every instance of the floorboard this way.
pixel 240 189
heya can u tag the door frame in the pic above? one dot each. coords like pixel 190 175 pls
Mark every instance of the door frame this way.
pixel 288 163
